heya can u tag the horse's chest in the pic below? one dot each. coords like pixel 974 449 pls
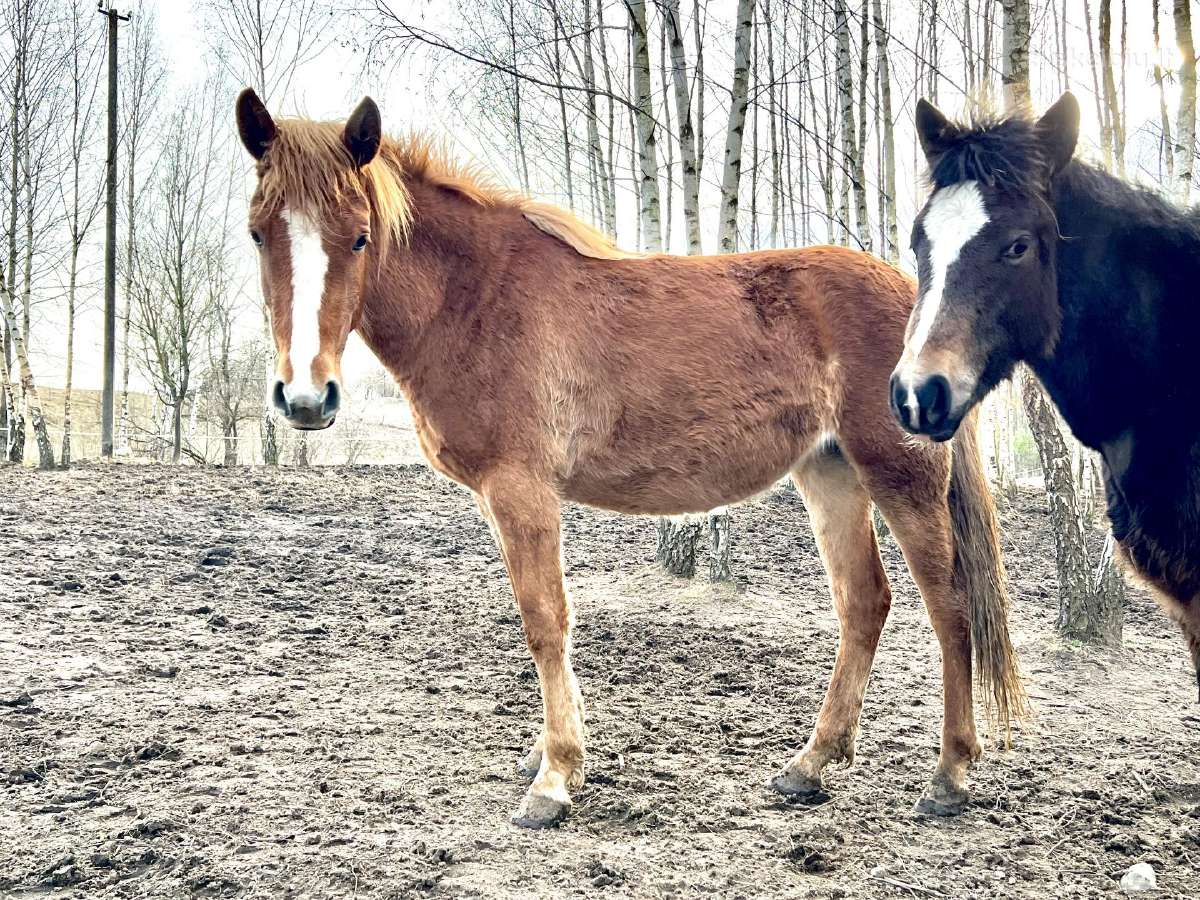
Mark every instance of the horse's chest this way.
pixel 1156 519
pixel 444 443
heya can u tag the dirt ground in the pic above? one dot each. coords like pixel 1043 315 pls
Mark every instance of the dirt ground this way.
pixel 313 684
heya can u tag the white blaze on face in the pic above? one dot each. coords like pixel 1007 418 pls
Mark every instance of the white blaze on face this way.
pixel 308 284
pixel 955 215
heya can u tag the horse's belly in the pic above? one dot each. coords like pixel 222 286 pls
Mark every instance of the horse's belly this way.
pixel 687 473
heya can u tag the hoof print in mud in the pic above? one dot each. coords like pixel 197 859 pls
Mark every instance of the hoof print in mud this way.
pixel 538 811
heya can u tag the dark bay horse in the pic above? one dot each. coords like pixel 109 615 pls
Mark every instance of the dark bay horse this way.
pixel 543 364
pixel 1027 254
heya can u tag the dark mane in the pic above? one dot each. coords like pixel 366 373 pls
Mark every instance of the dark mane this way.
pixel 1086 195
pixel 1001 153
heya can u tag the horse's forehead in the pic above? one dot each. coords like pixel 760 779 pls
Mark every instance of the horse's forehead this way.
pixel 953 216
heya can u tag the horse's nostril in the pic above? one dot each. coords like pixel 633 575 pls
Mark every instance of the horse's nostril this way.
pixel 896 398
pixel 933 398
pixel 333 399
pixel 279 399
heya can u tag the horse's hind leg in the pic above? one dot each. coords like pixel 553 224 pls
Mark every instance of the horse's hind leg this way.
pixel 920 521
pixel 840 511
pixel 525 516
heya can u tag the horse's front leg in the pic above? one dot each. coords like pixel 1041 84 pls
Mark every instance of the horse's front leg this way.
pixel 524 514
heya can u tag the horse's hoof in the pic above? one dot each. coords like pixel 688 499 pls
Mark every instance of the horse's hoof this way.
pixel 540 811
pixel 941 798
pixel 795 784
pixel 531 764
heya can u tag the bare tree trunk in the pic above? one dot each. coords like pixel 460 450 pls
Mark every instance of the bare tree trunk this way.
pixel 772 116
pixel 1015 73
pixel 845 97
pixel 669 168
pixel 559 76
pixel 1090 605
pixel 698 82
pixel 28 389
pixel 1113 128
pixel 231 444
pixel 1083 614
pixel 609 214
pixel 862 219
pixel 518 122
pixel 677 542
pixel 1185 148
pixel 686 133
pixel 65 455
pixel 891 249
pixel 731 174
pixel 646 140
pixel 1166 148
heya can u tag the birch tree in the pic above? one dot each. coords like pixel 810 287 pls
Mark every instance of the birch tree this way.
pixel 1185 131
pixel 1015 70
pixel 731 171
pixel 686 133
pixel 80 201
pixel 647 141
pixel 887 190
pixel 1166 148
pixel 845 101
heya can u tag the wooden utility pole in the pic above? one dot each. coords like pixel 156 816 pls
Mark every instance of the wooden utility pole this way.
pixel 110 237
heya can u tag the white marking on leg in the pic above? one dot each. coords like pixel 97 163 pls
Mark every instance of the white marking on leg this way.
pixel 309 263
pixel 955 215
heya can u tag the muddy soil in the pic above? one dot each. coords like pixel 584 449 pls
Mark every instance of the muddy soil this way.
pixel 314 684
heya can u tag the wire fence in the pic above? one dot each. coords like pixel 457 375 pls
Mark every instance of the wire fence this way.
pixel 324 448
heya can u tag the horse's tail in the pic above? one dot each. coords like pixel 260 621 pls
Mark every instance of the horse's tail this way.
pixel 979 574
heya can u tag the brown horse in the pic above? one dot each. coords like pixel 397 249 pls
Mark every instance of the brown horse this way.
pixel 542 364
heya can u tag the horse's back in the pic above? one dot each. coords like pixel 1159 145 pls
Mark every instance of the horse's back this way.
pixel 701 380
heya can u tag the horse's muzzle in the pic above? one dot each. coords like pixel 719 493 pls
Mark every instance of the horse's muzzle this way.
pixel 307 410
pixel 924 406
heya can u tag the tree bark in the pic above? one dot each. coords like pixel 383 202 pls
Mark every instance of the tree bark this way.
pixel 28 388
pixel 1015 73
pixel 1166 148
pixel 595 148
pixel 891 249
pixel 677 542
pixel 731 174
pixel 1185 147
pixel 685 131
pixel 647 141
pixel 1112 126
pixel 845 100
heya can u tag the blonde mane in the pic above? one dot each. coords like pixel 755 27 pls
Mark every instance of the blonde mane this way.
pixel 308 166
pixel 422 157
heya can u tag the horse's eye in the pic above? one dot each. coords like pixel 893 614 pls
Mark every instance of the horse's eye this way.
pixel 1017 249
pixel 360 243
pixel 256 237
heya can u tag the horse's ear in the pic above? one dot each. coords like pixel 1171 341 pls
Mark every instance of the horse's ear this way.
pixel 255 125
pixel 363 132
pixel 937 133
pixel 1058 130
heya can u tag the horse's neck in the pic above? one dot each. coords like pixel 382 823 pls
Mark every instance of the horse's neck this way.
pixel 1107 360
pixel 420 286
pixel 1117 371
